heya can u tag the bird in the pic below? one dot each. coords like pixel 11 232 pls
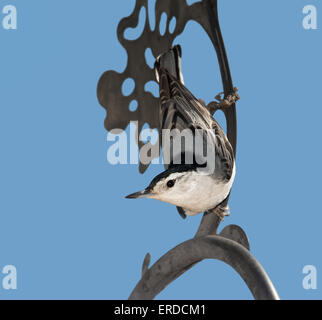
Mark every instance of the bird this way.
pixel 189 186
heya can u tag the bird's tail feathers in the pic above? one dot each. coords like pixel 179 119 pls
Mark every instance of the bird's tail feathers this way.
pixel 171 61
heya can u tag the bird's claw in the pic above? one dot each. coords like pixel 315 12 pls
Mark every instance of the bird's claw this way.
pixel 221 211
pixel 227 101
pixel 223 103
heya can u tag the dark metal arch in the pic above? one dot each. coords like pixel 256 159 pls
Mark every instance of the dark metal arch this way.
pixel 175 262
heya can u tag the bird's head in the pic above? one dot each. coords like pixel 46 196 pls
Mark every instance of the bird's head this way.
pixel 174 186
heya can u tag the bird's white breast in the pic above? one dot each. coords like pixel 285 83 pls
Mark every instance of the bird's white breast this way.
pixel 205 193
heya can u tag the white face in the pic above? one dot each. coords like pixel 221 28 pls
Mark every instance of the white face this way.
pixel 193 191
pixel 176 189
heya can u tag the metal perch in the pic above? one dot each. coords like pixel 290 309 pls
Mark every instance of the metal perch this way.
pixel 231 245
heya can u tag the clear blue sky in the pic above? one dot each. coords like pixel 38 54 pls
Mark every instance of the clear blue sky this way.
pixel 64 221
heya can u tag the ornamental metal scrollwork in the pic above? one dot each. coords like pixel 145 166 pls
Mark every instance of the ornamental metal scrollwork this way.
pixel 109 91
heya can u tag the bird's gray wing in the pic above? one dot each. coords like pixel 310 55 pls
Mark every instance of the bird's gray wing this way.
pixel 180 110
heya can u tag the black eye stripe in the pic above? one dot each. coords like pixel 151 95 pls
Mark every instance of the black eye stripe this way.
pixel 170 183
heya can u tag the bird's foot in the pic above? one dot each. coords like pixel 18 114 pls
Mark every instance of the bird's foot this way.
pixel 223 102
pixel 182 212
pixel 221 211
pixel 227 101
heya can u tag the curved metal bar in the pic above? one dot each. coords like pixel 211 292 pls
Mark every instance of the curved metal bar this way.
pixel 214 32
pixel 180 258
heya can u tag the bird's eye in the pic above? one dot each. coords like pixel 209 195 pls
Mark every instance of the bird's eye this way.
pixel 170 183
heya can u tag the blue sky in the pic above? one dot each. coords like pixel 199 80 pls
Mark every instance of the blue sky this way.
pixel 65 224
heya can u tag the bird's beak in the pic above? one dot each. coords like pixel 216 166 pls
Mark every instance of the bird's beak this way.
pixel 141 194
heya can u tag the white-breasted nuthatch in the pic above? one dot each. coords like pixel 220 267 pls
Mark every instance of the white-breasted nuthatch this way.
pixel 189 186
